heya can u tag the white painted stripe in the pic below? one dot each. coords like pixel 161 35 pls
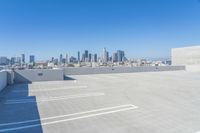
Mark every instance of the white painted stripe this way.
pixel 74 114
pixel 66 120
pixel 77 95
pixel 53 98
pixel 65 88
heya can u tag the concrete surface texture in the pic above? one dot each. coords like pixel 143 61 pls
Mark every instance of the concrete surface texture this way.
pixel 192 68
pixel 154 102
pixel 3 80
pixel 186 56
pixel 105 70
pixel 10 77
pixel 33 75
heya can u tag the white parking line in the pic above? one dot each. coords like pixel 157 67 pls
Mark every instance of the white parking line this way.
pixel 107 111
pixel 79 113
pixel 63 88
pixel 19 101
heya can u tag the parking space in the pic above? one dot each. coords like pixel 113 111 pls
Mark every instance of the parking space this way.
pixel 166 102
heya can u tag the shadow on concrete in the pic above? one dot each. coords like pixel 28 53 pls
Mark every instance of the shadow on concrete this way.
pixel 68 78
pixel 12 112
pixel 21 79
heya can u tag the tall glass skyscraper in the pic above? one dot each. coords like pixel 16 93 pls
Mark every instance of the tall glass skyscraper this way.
pixel 105 55
pixel 32 59
pixel 23 58
pixel 61 59
pixel 95 57
pixel 120 55
pixel 86 54
pixel 114 57
pixel 66 59
pixel 78 56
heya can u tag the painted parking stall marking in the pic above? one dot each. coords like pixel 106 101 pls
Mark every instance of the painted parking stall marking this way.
pixel 6 127
pixel 54 89
pixel 22 101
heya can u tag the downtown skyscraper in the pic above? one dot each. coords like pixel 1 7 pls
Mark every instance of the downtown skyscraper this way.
pixel 32 59
pixel 105 57
pixel 120 55
pixel 23 58
pixel 78 56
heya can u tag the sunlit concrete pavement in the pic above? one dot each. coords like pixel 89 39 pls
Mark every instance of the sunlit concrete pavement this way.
pixel 154 102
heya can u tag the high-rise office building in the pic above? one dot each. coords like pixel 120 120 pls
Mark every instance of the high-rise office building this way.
pixel 90 57
pixel 110 58
pixel 120 55
pixel 32 59
pixel 78 56
pixel 52 59
pixel 86 54
pixel 23 58
pixel 4 60
pixel 61 59
pixel 66 59
pixel 83 57
pixel 72 59
pixel 95 57
pixel 18 60
pixel 114 57
pixel 12 60
pixel 105 55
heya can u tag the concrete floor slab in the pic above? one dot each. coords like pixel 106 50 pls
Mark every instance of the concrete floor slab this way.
pixel 154 102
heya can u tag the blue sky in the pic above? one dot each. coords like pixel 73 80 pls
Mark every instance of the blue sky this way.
pixel 143 28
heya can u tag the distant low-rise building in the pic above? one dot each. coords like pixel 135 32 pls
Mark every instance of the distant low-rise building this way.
pixel 73 59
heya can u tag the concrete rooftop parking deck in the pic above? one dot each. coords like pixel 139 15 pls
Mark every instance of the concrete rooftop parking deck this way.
pixel 154 102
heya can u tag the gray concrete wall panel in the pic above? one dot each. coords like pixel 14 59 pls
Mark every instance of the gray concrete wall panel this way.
pixel 186 56
pixel 35 75
pixel 3 80
pixel 82 71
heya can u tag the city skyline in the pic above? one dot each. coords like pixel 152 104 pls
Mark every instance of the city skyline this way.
pixel 57 54
pixel 82 56
pixel 82 59
pixel 141 28
pixel 111 66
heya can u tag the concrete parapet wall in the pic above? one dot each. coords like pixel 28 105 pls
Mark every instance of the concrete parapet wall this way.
pixel 3 80
pixel 35 75
pixel 193 68
pixel 10 77
pixel 104 70
pixel 186 56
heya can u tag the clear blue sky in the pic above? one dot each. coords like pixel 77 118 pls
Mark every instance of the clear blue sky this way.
pixel 143 28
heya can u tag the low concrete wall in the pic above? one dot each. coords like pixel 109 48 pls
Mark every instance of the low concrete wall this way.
pixel 3 80
pixel 104 70
pixel 10 77
pixel 186 56
pixel 193 68
pixel 34 75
